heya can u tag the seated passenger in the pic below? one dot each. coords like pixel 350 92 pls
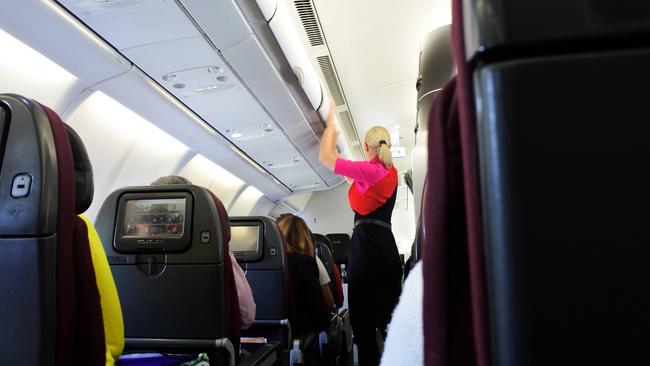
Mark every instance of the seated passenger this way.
pixel 314 302
pixel 244 293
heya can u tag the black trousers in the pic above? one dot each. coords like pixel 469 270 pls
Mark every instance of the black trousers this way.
pixel 365 337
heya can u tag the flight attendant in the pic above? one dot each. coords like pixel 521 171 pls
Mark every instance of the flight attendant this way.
pixel 375 268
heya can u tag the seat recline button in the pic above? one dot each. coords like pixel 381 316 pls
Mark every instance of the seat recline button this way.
pixel 205 237
pixel 21 185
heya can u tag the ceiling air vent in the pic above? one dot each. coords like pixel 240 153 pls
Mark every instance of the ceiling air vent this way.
pixel 309 22
pixel 348 128
pixel 327 68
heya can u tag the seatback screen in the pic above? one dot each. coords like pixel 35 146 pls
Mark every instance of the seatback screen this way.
pixel 159 218
pixel 244 238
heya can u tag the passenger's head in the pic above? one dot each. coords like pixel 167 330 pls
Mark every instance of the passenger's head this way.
pixel 170 180
pixel 297 234
pixel 377 143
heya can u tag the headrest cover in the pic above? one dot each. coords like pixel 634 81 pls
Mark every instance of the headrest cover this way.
pixel 224 219
pixel 83 171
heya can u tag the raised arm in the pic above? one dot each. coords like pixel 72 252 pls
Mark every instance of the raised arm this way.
pixel 328 152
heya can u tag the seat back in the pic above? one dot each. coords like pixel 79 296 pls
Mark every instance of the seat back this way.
pixel 51 312
pixel 29 228
pixel 267 272
pixel 167 248
pixel 565 199
pixel 324 249
pixel 324 252
pixel 340 243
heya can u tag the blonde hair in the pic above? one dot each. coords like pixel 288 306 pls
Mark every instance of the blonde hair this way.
pixel 297 233
pixel 378 140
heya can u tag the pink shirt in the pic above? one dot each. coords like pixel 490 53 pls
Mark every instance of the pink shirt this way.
pixel 373 185
pixel 364 173
pixel 244 294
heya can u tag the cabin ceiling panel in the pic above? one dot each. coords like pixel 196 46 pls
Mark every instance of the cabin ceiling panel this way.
pixel 127 24
pixel 238 90
pixel 380 54
pixel 341 17
pixel 223 155
pixel 387 106
pixel 221 20
pixel 156 107
pixel 251 62
pixel 206 85
pixel 53 33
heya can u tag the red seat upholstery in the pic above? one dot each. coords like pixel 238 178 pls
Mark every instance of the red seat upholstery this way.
pixel 455 320
pixel 80 332
pixel 232 314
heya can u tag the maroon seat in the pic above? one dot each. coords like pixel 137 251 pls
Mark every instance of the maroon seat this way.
pixel 80 332
pixel 51 306
pixel 455 320
pixel 232 315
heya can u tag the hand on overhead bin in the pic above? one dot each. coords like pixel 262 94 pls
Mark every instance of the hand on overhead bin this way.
pixel 328 152
pixel 331 114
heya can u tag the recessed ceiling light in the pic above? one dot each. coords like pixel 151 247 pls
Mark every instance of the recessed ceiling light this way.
pixel 206 88
pixel 267 127
pixel 215 69
pixel 296 159
pixel 169 77
pixel 222 78
pixel 179 85
pixel 236 135
pixel 267 163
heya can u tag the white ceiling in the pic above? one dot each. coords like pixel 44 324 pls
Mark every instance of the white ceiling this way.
pixel 375 47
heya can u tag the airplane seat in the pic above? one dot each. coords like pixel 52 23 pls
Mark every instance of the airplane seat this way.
pixel 168 250
pixel 52 311
pixel 324 252
pixel 262 250
pixel 541 195
pixel 111 311
pixel 232 302
pixel 340 243
pixel 328 337
pixel 416 251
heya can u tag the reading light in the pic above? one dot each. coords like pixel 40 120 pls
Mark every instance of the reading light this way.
pixel 215 70
pixel 169 77
pixel 267 127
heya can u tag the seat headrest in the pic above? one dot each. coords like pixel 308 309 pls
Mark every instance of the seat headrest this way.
pixel 223 217
pixel 83 171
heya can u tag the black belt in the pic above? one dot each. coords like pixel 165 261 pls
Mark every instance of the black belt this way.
pixel 373 221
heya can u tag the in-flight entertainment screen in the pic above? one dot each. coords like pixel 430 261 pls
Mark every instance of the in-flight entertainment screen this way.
pixel 154 218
